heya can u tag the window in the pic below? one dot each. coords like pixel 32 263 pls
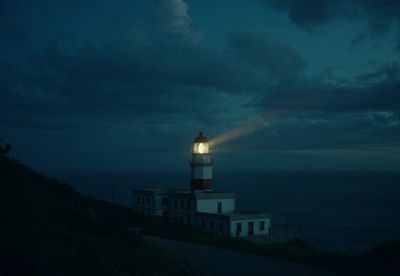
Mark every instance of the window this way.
pixel 189 220
pixel 219 207
pixel 238 228
pixel 262 225
pixel 250 228
pixel 211 225
pixel 181 204
pixel 202 223
pixel 142 199
pixel 221 227
pixel 165 201
pixel 175 204
pixel 148 200
pixel 138 199
pixel 188 205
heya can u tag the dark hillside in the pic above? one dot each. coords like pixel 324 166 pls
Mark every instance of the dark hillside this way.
pixel 47 228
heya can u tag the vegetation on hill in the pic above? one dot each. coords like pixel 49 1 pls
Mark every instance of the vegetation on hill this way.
pixel 47 228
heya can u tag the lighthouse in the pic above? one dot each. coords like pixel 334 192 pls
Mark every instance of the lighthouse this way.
pixel 201 206
pixel 201 165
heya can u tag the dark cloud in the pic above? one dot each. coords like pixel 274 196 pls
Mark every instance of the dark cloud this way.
pixel 315 114
pixel 142 70
pixel 276 60
pixel 177 63
pixel 382 16
pixel 377 91
pixel 308 14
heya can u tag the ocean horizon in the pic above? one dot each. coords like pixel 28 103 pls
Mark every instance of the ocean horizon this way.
pixel 338 210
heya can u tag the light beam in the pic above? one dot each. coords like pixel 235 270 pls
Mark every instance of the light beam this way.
pixel 246 128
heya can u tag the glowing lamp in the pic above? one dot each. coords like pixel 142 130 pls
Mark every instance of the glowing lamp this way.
pixel 200 144
pixel 200 148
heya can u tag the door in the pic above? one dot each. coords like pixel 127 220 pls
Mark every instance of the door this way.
pixel 250 228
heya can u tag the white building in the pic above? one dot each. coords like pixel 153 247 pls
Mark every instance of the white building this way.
pixel 200 206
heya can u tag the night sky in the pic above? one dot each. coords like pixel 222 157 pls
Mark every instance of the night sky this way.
pixel 274 84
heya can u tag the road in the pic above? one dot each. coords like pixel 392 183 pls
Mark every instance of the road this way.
pixel 206 260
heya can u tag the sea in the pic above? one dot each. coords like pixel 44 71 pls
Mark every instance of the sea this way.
pixel 340 211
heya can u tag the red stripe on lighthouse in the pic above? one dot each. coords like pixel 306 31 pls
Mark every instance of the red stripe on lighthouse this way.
pixel 201 184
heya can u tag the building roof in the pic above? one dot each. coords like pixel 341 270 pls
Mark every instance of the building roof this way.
pixel 189 194
pixel 201 195
pixel 200 138
pixel 158 191
pixel 214 195
pixel 235 215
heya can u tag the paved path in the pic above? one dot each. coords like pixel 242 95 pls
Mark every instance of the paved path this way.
pixel 207 260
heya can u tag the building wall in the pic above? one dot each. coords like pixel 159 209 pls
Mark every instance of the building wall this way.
pixel 257 230
pixel 203 172
pixel 150 204
pixel 202 158
pixel 219 227
pixel 201 167
pixel 211 205
pixel 179 207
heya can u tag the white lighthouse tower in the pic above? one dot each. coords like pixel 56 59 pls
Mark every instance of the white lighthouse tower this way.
pixel 201 165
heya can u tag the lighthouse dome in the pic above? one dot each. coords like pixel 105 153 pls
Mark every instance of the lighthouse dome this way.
pixel 200 138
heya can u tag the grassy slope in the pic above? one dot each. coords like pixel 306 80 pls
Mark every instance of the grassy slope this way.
pixel 47 228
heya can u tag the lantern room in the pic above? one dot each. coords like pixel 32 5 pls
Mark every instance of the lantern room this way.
pixel 200 144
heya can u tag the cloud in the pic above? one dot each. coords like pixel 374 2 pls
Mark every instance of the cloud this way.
pixel 170 19
pixel 308 14
pixel 143 68
pixel 313 113
pixel 261 52
pixel 121 79
pixel 381 16
pixel 316 114
pixel 376 91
